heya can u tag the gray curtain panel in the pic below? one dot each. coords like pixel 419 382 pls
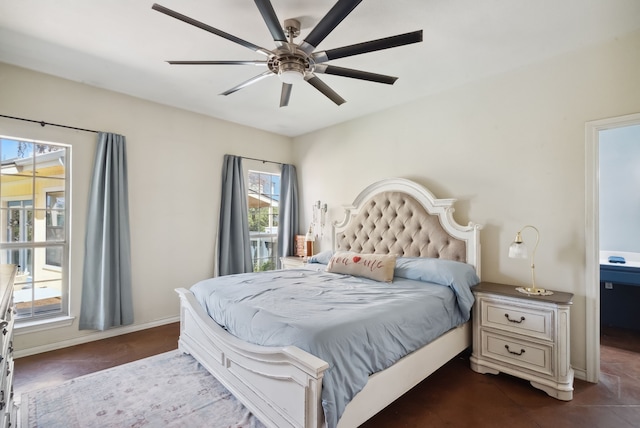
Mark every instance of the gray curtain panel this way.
pixel 288 214
pixel 106 284
pixel 234 246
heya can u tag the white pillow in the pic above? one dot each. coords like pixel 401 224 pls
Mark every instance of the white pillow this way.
pixel 378 267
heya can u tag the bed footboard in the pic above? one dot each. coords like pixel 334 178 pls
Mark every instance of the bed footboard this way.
pixel 281 386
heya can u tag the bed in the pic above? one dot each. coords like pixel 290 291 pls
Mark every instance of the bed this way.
pixel 283 385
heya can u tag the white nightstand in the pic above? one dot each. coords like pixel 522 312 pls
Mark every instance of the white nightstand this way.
pixel 524 336
pixel 293 262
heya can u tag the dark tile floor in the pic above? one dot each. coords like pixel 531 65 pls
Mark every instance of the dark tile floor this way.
pixel 454 396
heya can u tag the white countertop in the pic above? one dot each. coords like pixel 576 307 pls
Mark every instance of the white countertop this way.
pixel 633 259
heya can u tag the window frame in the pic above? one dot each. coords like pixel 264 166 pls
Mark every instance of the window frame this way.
pixel 274 170
pixel 37 246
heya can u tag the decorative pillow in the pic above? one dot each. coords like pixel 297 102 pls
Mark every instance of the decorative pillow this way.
pixel 438 271
pixel 323 257
pixel 378 267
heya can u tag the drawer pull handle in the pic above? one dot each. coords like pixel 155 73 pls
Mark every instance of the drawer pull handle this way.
pixel 516 321
pixel 512 352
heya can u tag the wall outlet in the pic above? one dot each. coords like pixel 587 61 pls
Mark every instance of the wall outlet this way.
pixel 608 285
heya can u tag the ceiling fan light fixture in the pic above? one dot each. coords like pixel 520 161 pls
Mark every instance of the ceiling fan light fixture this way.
pixel 291 77
pixel 291 72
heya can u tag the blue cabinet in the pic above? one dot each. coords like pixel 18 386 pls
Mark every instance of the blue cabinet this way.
pixel 620 296
pixel 620 274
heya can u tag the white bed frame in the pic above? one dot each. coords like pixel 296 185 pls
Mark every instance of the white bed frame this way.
pixel 281 386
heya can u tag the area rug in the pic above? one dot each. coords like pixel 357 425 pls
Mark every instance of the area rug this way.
pixel 166 390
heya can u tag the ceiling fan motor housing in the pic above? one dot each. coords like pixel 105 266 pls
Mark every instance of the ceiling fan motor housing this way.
pixel 290 64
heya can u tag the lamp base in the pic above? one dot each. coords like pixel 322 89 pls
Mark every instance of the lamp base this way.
pixel 534 291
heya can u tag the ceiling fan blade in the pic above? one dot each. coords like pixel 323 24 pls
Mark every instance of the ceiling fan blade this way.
pixel 355 74
pixel 248 82
pixel 370 46
pixel 269 15
pixel 210 29
pixel 338 12
pixel 258 63
pixel 285 94
pixel 324 88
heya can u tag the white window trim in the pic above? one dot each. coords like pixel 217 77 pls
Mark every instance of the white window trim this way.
pixel 30 325
pixel 27 325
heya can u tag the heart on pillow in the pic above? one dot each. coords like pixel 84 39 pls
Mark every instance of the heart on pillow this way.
pixel 356 259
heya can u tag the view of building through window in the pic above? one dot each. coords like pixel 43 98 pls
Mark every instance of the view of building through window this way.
pixel 33 213
pixel 263 198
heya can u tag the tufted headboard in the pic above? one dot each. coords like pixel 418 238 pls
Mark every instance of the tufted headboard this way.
pixel 398 216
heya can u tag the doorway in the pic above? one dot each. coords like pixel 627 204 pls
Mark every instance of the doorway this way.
pixel 592 234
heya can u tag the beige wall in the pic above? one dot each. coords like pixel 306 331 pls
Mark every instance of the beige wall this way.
pixel 175 160
pixel 510 148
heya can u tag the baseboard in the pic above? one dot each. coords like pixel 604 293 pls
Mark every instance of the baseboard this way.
pixel 580 374
pixel 91 337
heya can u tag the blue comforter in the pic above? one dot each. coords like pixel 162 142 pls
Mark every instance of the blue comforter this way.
pixel 358 326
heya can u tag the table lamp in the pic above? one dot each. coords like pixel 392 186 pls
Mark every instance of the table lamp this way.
pixel 517 250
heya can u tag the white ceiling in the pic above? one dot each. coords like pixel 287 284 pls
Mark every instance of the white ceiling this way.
pixel 122 45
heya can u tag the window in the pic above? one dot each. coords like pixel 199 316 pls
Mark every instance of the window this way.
pixel 33 212
pixel 263 197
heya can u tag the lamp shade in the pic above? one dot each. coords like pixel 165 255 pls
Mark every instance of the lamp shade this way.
pixel 310 236
pixel 517 250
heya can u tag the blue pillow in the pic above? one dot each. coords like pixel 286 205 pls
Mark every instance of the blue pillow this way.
pixel 438 271
pixel 458 276
pixel 323 257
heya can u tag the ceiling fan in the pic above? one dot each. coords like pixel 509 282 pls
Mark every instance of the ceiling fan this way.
pixel 293 62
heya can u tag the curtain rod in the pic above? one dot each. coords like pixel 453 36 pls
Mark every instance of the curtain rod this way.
pixel 43 123
pixel 262 160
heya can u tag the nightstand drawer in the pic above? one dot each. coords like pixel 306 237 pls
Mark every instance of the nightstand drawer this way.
pixel 507 316
pixel 528 355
